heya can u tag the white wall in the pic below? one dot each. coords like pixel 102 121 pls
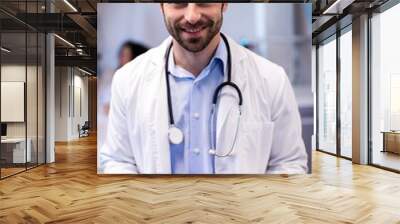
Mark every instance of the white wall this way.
pixel 33 126
pixel 70 84
pixel 15 72
pixel 61 103
pixel 79 117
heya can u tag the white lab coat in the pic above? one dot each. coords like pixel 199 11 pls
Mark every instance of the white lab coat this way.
pixel 269 136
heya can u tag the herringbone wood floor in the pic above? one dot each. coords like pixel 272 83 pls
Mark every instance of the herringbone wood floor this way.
pixel 70 191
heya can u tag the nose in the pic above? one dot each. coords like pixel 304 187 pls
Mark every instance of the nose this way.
pixel 192 13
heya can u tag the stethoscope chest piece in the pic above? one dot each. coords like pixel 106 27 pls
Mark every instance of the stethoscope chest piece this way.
pixel 175 135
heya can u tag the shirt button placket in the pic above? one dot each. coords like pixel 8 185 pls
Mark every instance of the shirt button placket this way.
pixel 194 116
pixel 196 151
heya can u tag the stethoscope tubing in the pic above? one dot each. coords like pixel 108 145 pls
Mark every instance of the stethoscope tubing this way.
pixel 215 97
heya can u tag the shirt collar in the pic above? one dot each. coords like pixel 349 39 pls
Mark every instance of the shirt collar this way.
pixel 220 54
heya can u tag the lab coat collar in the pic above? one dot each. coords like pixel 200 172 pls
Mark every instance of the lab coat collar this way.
pixel 237 54
pixel 159 52
pixel 220 54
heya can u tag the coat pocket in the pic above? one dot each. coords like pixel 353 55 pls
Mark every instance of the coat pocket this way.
pixel 256 139
pixel 251 150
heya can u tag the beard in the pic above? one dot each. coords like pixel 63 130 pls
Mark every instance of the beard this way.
pixel 194 37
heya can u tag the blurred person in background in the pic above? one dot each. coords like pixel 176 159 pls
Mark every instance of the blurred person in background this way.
pixel 128 51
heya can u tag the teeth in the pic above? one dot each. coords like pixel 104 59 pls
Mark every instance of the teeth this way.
pixel 194 30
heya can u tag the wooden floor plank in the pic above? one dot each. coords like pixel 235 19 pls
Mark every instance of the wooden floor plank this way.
pixel 70 191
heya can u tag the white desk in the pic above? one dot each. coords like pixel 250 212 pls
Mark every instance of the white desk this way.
pixel 19 155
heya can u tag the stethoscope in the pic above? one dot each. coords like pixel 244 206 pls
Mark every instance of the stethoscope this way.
pixel 175 135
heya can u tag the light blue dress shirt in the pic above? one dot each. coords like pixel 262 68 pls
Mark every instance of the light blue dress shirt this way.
pixel 191 104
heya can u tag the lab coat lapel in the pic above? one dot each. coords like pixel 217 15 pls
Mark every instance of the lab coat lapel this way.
pixel 158 124
pixel 228 98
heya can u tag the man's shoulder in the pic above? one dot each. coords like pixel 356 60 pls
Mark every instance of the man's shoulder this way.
pixel 264 69
pixel 264 64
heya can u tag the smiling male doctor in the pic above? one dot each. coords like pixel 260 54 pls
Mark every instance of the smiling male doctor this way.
pixel 265 139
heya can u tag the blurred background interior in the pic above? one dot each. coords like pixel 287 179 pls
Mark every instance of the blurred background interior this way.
pixel 49 73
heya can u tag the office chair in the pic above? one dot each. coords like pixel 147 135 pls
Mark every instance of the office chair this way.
pixel 84 130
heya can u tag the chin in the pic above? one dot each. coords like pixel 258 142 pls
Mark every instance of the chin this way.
pixel 194 48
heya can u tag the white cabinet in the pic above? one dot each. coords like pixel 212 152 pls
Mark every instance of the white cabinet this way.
pixel 19 155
